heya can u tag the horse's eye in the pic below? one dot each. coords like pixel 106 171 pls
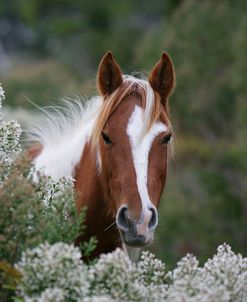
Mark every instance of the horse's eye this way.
pixel 166 139
pixel 106 138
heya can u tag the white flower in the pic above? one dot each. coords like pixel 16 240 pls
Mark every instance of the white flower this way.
pixel 151 270
pixel 112 276
pixel 9 141
pixel 56 273
pixel 99 299
pixel 51 189
pixel 223 278
pixel 53 266
pixel 52 295
pixel 48 295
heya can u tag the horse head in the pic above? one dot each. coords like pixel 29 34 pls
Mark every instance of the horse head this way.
pixel 132 135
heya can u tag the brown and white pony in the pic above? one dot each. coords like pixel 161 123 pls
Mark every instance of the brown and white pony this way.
pixel 116 148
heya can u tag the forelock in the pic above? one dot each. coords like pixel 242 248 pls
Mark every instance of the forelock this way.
pixel 150 102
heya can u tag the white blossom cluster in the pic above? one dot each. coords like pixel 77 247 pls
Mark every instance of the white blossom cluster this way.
pixel 9 140
pixel 56 273
pixel 10 132
pixel 222 278
pixel 49 189
pixel 113 276
pixel 151 276
pixel 99 299
pixel 53 273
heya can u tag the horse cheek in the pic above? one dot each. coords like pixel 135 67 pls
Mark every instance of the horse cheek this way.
pixel 157 171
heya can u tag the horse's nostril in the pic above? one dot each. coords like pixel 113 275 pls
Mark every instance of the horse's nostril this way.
pixel 154 219
pixel 122 219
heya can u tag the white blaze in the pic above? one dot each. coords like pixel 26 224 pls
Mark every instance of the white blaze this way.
pixel 140 147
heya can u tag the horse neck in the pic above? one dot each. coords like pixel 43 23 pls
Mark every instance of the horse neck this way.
pixel 87 180
pixel 89 186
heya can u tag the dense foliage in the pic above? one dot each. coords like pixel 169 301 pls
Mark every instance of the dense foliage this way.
pixel 32 209
pixel 31 213
pixel 55 273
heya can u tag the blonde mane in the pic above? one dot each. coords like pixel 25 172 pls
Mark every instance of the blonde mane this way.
pixel 63 131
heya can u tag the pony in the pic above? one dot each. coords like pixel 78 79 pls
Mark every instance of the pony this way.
pixel 115 147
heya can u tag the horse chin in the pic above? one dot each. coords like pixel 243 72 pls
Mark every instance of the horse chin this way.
pixel 136 245
pixel 134 240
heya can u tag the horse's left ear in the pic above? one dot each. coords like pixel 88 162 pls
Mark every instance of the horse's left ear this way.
pixel 162 77
pixel 109 75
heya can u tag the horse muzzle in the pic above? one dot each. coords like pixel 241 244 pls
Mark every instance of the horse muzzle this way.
pixel 137 233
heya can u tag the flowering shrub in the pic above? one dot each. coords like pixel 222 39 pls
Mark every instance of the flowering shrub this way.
pixel 56 273
pixel 30 212
pixel 113 276
pixel 53 271
pixel 222 278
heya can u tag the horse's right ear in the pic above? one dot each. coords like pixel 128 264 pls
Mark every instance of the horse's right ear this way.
pixel 109 75
pixel 162 77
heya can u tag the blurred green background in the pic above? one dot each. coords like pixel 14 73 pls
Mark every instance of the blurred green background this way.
pixel 51 49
